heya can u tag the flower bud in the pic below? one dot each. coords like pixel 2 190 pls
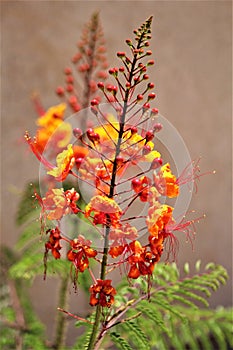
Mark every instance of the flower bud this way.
pixel 77 132
pixel 93 136
pixel 121 54
pixel 67 70
pixel 156 163
pixel 150 63
pixel 145 76
pixel 150 85
pixel 69 88
pixel 139 97
pixel 136 185
pixel 60 91
pixel 133 130
pixel 94 102
pixel 154 111
pixel 73 100
pixel 100 85
pixel 146 150
pixel 151 96
pixel 149 135
pixel 157 127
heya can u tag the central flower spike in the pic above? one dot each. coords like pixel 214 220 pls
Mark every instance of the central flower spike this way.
pixel 106 211
pixel 65 162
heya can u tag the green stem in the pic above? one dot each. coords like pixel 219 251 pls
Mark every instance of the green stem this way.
pixel 61 317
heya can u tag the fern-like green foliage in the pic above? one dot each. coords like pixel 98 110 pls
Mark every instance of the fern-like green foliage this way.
pixel 172 317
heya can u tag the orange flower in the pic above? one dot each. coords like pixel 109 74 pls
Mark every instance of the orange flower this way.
pixel 166 182
pixel 158 217
pixel 102 293
pixel 65 162
pixel 80 252
pixel 106 211
pixel 120 236
pixel 50 122
pixel 141 261
pixel 156 246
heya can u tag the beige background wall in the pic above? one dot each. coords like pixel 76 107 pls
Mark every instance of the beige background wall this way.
pixel 192 47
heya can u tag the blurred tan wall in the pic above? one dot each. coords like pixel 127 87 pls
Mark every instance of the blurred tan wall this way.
pixel 192 47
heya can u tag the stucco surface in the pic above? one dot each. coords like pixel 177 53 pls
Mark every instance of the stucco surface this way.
pixel 192 48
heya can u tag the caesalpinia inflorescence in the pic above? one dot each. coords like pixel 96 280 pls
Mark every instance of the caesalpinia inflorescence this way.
pixel 117 159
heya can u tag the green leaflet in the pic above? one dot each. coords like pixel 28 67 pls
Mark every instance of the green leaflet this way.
pixel 120 342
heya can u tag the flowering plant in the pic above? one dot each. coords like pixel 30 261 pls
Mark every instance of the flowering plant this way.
pixel 108 197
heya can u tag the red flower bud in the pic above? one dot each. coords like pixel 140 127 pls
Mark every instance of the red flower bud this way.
pixel 136 185
pixel 151 85
pixel 121 69
pixel 151 96
pixel 150 62
pixel 145 76
pixel 154 111
pixel 133 130
pixel 157 127
pixel 146 106
pixel 149 52
pixel 77 132
pixel 156 163
pixel 121 54
pixel 100 85
pixel 146 149
pixel 70 79
pixel 67 70
pixel 76 107
pixel 94 102
pixel 93 136
pixel 69 88
pixel 73 100
pixel 149 135
pixel 139 97
pixel 60 91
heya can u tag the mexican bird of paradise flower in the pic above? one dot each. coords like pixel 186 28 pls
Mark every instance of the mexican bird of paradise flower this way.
pixel 106 157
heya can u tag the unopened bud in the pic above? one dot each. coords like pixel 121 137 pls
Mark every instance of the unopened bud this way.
pixel 149 135
pixel 157 127
pixel 60 91
pixel 151 96
pixel 133 130
pixel 77 132
pixel 156 163
pixel 146 150
pixel 100 85
pixel 94 102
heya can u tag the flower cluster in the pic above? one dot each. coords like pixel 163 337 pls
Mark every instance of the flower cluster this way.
pixel 117 159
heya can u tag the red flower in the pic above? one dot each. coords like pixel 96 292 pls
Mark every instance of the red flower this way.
pixel 80 252
pixel 53 243
pixel 102 293
pixel 142 262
